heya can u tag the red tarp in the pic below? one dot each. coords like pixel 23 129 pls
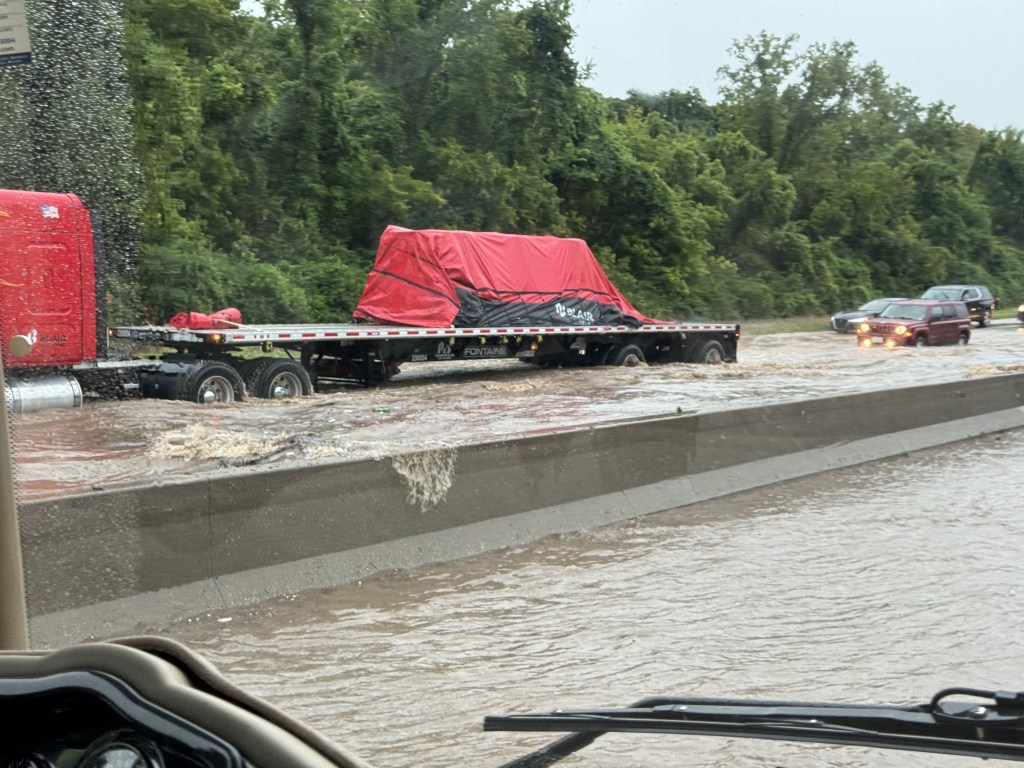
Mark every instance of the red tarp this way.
pixel 441 278
pixel 197 321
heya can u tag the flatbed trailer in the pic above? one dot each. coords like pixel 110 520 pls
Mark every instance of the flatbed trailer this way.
pixel 210 365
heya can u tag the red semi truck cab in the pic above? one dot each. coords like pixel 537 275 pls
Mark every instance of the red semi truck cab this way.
pixel 47 279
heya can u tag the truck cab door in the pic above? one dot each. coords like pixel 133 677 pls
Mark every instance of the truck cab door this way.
pixel 938 328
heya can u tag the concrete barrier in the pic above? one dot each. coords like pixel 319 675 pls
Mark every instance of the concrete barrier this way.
pixel 115 562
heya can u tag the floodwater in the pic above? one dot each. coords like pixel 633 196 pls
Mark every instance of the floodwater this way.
pixel 878 584
pixel 433 405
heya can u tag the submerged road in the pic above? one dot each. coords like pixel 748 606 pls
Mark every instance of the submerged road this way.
pixel 880 582
pixel 109 444
pixel 236 534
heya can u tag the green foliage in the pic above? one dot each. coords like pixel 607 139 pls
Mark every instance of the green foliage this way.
pixel 182 276
pixel 259 157
pixel 339 282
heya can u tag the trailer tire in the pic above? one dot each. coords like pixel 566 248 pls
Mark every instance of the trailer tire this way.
pixel 248 370
pixel 275 379
pixel 209 381
pixel 710 352
pixel 309 366
pixel 628 355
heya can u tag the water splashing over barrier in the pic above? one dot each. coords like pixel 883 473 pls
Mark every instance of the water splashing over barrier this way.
pixel 428 475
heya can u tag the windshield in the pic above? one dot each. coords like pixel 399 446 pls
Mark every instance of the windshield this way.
pixel 906 311
pixel 414 361
pixel 948 294
pixel 875 306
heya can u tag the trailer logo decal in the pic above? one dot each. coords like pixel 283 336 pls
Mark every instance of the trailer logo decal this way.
pixel 493 351
pixel 11 285
pixel 49 211
pixel 575 313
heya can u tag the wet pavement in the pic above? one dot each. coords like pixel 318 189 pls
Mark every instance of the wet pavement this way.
pixel 879 583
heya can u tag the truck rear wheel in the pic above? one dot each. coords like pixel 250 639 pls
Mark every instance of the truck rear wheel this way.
pixel 710 352
pixel 209 381
pixel 275 379
pixel 629 355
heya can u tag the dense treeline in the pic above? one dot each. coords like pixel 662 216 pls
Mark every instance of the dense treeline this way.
pixel 273 150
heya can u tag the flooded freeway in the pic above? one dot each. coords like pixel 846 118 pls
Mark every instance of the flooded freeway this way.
pixel 107 444
pixel 882 583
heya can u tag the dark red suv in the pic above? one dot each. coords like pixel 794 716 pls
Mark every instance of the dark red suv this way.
pixel 917 322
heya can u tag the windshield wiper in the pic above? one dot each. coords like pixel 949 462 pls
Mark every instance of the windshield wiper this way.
pixel 994 729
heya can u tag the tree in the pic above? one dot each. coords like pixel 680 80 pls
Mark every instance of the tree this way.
pixel 997 174
pixel 275 148
pixel 752 92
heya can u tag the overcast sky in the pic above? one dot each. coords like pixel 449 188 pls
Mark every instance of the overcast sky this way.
pixel 968 55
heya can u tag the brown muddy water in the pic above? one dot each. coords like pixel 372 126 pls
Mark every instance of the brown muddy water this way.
pixel 880 583
pixel 106 444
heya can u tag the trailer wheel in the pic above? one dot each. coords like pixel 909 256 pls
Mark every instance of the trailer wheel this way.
pixel 309 365
pixel 628 355
pixel 711 352
pixel 209 381
pixel 277 379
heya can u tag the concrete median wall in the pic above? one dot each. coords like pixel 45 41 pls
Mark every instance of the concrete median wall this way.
pixel 115 562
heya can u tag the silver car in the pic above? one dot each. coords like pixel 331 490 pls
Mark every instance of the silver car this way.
pixel 847 321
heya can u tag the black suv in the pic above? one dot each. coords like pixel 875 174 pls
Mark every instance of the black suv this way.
pixel 979 300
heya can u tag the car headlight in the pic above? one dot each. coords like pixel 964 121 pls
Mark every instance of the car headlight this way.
pixel 863 328
pixel 1020 308
pixel 900 330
